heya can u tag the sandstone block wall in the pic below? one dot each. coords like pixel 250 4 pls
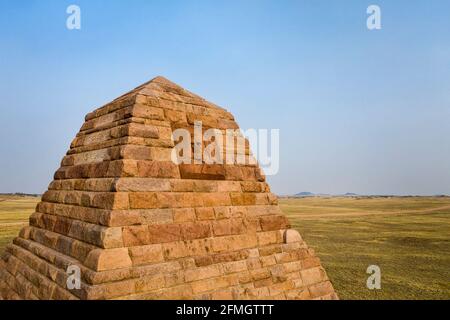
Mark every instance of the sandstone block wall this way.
pixel 140 226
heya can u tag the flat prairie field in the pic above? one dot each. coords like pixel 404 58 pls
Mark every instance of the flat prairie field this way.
pixel 408 238
pixel 14 214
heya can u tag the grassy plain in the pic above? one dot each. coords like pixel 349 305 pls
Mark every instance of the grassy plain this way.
pixel 14 214
pixel 408 238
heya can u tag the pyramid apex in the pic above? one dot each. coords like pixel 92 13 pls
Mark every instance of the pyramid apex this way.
pixel 162 80
pixel 159 78
pixel 159 87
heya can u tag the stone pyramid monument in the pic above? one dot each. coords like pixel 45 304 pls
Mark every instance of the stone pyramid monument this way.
pixel 136 225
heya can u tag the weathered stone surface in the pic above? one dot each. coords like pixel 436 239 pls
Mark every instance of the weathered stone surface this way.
pixel 146 254
pixel 139 226
pixel 291 236
pixel 109 259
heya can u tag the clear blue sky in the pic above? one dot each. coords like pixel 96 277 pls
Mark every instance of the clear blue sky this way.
pixel 359 111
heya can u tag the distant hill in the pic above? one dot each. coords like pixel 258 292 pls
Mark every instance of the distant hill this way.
pixel 310 194
pixel 307 194
pixel 20 194
pixel 304 194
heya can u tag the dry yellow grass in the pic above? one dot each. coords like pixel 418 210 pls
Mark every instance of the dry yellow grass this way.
pixel 14 214
pixel 408 238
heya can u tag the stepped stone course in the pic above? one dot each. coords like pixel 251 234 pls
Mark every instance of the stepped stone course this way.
pixel 139 226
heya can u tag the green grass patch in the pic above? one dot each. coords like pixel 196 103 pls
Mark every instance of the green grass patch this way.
pixel 412 249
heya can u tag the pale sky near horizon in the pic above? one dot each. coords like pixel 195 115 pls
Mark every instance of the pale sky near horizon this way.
pixel 358 111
